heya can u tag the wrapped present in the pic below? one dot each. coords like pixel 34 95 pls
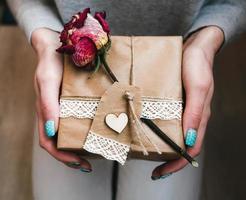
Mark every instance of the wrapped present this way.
pixel 99 118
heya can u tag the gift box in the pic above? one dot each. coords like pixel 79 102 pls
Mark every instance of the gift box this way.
pixel 149 67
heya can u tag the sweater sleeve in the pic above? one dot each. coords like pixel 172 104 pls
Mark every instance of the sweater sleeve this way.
pixel 33 14
pixel 228 15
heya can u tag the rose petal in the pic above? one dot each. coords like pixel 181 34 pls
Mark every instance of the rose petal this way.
pixel 69 25
pixel 79 22
pixel 100 16
pixel 85 52
pixel 68 49
pixel 63 36
pixel 92 29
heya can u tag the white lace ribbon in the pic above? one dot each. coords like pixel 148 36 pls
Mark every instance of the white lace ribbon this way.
pixel 152 108
pixel 83 107
pixel 106 147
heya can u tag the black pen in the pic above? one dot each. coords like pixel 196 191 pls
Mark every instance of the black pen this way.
pixel 169 141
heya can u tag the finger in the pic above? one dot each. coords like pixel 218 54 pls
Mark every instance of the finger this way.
pixel 203 124
pixel 173 166
pixel 176 165
pixel 68 158
pixel 197 81
pixel 48 83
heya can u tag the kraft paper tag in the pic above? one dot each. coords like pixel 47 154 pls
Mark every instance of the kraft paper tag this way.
pixel 113 102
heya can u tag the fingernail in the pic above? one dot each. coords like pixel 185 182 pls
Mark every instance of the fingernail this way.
pixel 85 170
pixel 155 178
pixel 161 177
pixel 190 139
pixel 166 175
pixel 50 128
pixel 73 164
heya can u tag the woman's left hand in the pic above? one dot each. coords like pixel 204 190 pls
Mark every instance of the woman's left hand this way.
pixel 198 56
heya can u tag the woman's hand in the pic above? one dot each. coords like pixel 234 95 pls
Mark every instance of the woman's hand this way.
pixel 47 83
pixel 198 55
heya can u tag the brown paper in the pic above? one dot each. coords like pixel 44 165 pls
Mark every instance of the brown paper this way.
pixel 156 69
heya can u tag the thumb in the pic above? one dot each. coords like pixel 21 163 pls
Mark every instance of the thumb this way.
pixel 49 95
pixel 195 99
pixel 197 79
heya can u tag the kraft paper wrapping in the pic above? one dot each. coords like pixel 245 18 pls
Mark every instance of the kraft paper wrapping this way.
pixel 154 65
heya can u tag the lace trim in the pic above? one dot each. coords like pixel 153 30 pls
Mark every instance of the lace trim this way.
pixel 165 109
pixel 152 108
pixel 78 108
pixel 108 148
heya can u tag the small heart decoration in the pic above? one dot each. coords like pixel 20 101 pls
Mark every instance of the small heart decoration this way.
pixel 116 123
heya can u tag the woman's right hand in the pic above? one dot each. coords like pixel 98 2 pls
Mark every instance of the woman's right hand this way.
pixel 47 83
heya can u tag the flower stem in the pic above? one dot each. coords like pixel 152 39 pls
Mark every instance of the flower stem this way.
pixel 108 70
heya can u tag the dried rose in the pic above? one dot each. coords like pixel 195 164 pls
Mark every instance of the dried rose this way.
pixel 85 38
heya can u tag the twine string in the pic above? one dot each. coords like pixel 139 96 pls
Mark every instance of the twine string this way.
pixel 140 130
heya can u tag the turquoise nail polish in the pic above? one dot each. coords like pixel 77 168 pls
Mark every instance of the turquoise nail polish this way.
pixel 190 139
pixel 85 170
pixel 50 128
pixel 73 164
pixel 160 177
pixel 166 175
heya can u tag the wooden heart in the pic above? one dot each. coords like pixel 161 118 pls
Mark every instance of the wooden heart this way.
pixel 116 123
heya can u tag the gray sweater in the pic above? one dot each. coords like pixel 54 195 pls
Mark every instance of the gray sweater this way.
pixel 137 17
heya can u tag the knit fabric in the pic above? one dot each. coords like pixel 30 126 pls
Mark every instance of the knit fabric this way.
pixel 137 17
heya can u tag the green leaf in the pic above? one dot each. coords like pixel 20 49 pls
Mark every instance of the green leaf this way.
pixel 98 63
pixel 108 45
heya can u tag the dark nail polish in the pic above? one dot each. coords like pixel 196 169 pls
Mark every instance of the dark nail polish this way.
pixel 73 164
pixel 165 176
pixel 160 177
pixel 85 170
pixel 155 178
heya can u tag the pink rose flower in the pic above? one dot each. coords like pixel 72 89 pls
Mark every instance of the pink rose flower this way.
pixel 84 37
